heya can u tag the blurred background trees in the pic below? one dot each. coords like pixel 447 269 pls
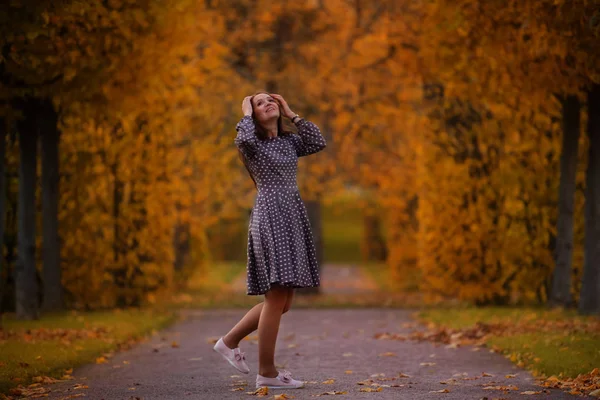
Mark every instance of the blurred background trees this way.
pixel 464 138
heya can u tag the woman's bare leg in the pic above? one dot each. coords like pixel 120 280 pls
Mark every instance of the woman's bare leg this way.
pixel 268 328
pixel 249 323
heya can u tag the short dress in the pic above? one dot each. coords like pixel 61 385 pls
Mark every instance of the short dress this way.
pixel 281 247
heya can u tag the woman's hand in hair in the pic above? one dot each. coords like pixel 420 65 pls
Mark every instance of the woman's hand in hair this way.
pixel 247 105
pixel 284 105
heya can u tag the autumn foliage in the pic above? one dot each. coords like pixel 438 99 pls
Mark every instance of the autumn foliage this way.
pixel 446 114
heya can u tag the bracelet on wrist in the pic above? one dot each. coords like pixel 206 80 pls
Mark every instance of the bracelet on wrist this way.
pixel 295 117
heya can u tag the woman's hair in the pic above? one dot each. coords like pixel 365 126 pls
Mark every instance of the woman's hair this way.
pixel 261 132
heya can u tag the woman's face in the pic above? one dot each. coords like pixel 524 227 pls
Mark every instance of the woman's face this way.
pixel 265 107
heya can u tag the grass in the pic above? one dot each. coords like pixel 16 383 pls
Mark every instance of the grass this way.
pixel 342 230
pixel 35 348
pixel 543 348
pixel 554 353
pixel 381 274
pixel 215 277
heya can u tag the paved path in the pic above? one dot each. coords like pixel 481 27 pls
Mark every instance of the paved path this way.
pixel 315 345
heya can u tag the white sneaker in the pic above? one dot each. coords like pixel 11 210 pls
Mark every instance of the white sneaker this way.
pixel 282 381
pixel 235 357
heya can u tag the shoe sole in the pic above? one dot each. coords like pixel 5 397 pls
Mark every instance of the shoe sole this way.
pixel 281 387
pixel 230 363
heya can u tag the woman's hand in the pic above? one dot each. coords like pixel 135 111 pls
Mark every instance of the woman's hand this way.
pixel 287 112
pixel 247 106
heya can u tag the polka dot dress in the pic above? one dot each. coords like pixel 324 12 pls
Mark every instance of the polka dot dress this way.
pixel 280 241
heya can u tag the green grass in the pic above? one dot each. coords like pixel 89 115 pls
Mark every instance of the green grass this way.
pixel 381 274
pixel 552 353
pixel 542 349
pixel 342 230
pixel 25 359
pixel 215 276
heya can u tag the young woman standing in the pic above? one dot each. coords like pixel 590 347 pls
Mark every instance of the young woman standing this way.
pixel 281 251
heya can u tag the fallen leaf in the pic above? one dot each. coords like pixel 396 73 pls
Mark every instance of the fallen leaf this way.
pixel 368 389
pixel 282 396
pixel 348 372
pixel 427 364
pixel 347 354
pixel 329 381
pixel 260 392
pixel 510 376
pixel 174 344
pixel 101 360
pixel 440 391
pixel 387 354
pixel 237 389
pixel 80 386
pixel 531 392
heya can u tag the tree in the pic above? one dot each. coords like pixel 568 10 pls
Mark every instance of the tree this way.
pixel 561 280
pixel 589 302
pixel 25 280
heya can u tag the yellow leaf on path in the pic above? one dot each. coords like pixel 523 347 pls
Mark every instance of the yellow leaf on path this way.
pixel 80 386
pixel 531 392
pixel 347 354
pixel 329 381
pixel 282 396
pixel 401 375
pixel 510 376
pixel 387 354
pixel 237 389
pixel 427 364
pixel 292 345
pixel 101 360
pixel 174 344
pixel 260 392
pixel 440 391
pixel 486 374
pixel 368 389
pixel 348 372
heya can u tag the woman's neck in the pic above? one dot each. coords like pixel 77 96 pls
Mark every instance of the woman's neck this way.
pixel 271 128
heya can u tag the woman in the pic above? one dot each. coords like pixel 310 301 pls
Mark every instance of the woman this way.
pixel 281 251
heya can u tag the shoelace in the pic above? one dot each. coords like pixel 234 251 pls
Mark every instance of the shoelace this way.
pixel 239 355
pixel 286 376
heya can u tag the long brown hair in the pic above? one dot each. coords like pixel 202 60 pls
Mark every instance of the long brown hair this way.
pixel 261 132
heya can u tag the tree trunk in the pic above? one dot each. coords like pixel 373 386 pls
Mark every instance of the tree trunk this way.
pixel 2 209
pixel 26 286
pixel 53 296
pixel 589 302
pixel 560 294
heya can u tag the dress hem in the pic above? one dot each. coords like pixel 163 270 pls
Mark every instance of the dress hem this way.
pixel 292 286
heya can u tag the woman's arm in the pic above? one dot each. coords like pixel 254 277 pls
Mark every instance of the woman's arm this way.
pixel 246 139
pixel 309 139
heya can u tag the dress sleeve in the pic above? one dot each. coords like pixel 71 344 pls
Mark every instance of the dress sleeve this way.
pixel 308 140
pixel 246 139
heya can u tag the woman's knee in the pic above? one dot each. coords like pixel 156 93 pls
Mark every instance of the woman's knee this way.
pixel 277 296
